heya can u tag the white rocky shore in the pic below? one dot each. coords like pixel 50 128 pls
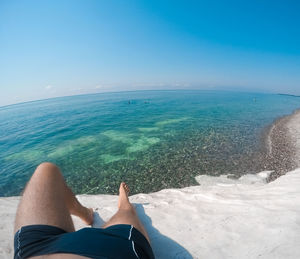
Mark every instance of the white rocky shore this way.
pixel 221 218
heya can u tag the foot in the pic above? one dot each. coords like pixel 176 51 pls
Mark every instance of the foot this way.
pixel 87 216
pixel 123 197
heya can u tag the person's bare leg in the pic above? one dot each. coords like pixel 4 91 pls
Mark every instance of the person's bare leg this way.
pixel 126 213
pixel 47 200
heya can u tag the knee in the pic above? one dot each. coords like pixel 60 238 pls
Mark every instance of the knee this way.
pixel 47 166
pixel 47 169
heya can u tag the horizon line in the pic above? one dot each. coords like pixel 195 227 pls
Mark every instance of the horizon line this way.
pixel 144 90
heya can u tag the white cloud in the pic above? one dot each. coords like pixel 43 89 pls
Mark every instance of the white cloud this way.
pixel 104 87
pixel 48 87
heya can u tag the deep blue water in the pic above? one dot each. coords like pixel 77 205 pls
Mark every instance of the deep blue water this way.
pixel 150 139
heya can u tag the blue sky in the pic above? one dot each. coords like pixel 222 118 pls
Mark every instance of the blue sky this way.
pixel 56 48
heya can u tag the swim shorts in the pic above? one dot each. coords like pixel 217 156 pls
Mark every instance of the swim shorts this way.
pixel 117 241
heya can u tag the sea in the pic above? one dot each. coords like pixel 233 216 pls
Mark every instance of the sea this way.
pixel 150 139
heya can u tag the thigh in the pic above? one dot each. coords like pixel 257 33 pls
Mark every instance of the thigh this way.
pixel 43 200
pixel 128 217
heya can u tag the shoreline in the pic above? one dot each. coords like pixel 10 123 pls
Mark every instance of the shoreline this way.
pixel 281 148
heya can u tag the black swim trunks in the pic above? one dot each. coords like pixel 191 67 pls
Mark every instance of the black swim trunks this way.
pixel 118 241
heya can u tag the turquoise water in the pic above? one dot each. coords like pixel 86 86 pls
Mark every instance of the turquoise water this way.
pixel 150 139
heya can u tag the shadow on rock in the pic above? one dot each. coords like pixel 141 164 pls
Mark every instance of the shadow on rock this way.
pixel 98 221
pixel 163 246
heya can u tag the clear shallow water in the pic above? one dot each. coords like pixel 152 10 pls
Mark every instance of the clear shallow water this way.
pixel 150 139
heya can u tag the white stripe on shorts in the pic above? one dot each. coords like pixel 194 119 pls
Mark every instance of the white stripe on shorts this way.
pixel 134 250
pixel 130 232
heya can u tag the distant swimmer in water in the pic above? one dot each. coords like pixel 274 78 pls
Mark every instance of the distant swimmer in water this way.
pixel 44 226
